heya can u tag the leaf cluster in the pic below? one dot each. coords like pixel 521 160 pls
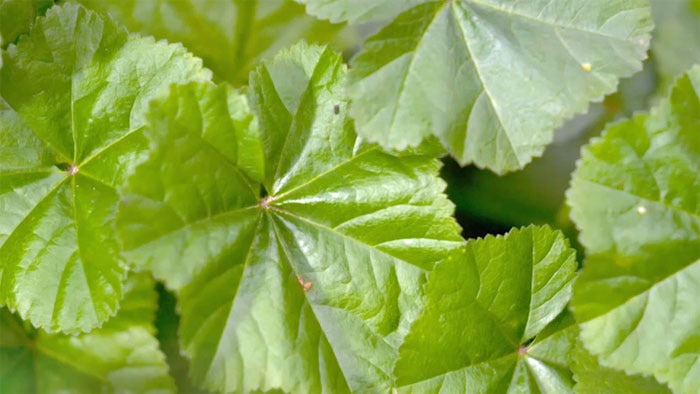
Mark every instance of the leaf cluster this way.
pixel 295 208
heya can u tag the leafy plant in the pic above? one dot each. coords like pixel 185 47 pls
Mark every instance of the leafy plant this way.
pixel 300 219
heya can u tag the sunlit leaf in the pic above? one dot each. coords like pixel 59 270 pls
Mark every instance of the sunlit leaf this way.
pixel 493 79
pixel 74 93
pixel 310 284
pixel 482 326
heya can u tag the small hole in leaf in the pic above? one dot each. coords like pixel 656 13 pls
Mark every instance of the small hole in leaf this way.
pixel 265 199
pixel 63 166
pixel 68 168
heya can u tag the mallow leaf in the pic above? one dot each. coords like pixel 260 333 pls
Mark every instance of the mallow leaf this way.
pixel 74 93
pixel 230 36
pixel 593 378
pixel 636 198
pixel 484 324
pixel 122 356
pixel 675 21
pixel 308 280
pixel 17 17
pixel 356 11
pixel 492 79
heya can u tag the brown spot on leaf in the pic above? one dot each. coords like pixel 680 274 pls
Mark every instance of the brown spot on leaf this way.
pixel 304 285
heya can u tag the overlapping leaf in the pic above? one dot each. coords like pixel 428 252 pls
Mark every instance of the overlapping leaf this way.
pixel 492 79
pixel 310 285
pixel 592 378
pixel 636 198
pixel 675 22
pixel 356 11
pixel 74 92
pixel 122 356
pixel 17 16
pixel 230 36
pixel 483 325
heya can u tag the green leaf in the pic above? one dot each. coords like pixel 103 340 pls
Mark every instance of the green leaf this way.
pixel 593 378
pixel 122 356
pixel 355 11
pixel 211 137
pixel 17 17
pixel 635 198
pixel 230 36
pixel 492 79
pixel 75 92
pixel 482 312
pixel 311 284
pixel 673 52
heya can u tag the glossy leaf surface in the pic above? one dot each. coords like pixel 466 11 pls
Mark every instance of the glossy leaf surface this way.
pixel 231 36
pixel 74 93
pixel 122 356
pixel 636 198
pixel 310 285
pixel 481 314
pixel 492 79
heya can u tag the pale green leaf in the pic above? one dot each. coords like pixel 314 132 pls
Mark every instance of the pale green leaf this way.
pixel 122 356
pixel 636 198
pixel 676 46
pixel 231 36
pixel 592 378
pixel 310 284
pixel 492 79
pixel 190 195
pixel 355 11
pixel 482 312
pixel 75 92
